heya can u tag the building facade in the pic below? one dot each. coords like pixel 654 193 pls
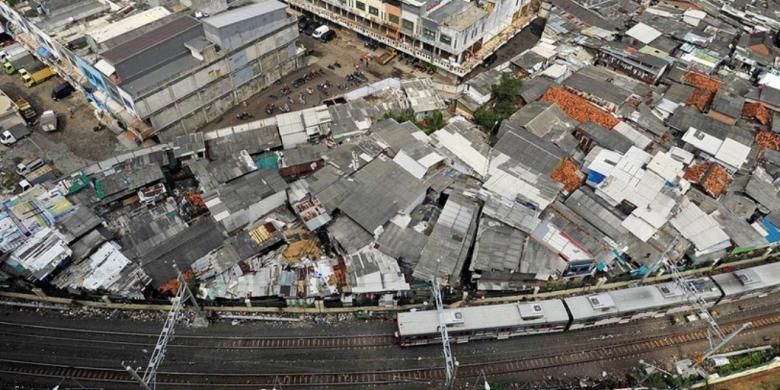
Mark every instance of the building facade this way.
pixel 153 70
pixel 453 35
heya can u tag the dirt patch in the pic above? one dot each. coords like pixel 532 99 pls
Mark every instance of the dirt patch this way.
pixel 769 380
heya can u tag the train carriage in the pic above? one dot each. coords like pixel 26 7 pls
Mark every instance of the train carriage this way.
pixel 483 322
pixel 630 304
pixel 755 282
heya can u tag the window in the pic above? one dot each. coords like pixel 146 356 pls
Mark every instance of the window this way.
pixel 360 5
pixel 407 24
pixel 393 19
pixel 428 33
pixel 373 11
pixel 445 39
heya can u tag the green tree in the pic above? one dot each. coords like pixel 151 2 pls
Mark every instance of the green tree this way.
pixel 486 117
pixel 507 87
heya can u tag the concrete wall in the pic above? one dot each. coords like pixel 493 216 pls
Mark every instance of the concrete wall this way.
pixel 206 94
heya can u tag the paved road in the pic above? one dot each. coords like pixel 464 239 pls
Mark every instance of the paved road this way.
pixel 83 349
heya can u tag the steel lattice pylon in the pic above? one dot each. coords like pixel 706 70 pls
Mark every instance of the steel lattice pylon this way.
pixel 148 380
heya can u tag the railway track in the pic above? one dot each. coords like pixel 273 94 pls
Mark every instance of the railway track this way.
pixel 193 341
pixel 606 351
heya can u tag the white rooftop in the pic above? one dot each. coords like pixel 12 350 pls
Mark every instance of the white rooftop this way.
pixel 128 24
pixel 643 33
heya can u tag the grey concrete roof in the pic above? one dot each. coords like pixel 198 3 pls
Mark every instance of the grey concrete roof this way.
pixel 584 203
pixel 448 245
pixel 188 144
pixel 740 232
pixel 586 16
pixel 533 89
pixel 530 150
pixel 527 60
pixel 687 117
pixel 511 213
pixel 183 248
pixel 498 247
pixel 303 154
pixel 135 46
pixel 78 223
pixel 728 104
pixel 761 189
pixel 405 244
pixel 577 228
pixel 598 88
pixel 349 234
pixel 247 190
pixel 243 13
pixel 253 141
pixel 607 138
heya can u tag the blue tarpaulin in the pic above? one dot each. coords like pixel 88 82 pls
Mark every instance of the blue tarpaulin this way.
pixel 43 52
pixel 595 177
pixel 772 230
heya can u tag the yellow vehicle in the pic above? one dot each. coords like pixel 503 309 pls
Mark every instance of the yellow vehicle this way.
pixel 34 78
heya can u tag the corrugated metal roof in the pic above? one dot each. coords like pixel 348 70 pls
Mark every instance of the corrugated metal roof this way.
pixel 239 14
pixel 139 44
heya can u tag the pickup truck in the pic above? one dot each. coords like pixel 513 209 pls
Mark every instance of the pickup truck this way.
pixel 39 175
pixel 11 50
pixel 24 107
pixel 10 136
pixel 49 121
pixel 32 79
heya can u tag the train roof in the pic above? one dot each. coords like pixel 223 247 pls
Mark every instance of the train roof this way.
pixel 484 317
pixel 636 299
pixel 749 279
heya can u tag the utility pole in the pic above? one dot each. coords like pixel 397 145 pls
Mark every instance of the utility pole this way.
pixel 659 262
pixel 148 379
pixel 692 297
pixel 450 364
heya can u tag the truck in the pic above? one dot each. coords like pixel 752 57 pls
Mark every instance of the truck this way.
pixel 13 134
pixel 11 50
pixel 26 110
pixel 18 61
pixel 41 174
pixel 48 121
pixel 33 78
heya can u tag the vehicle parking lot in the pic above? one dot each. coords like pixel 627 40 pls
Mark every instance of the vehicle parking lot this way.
pixel 73 146
pixel 344 50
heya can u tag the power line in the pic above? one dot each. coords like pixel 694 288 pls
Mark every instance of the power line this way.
pixel 450 364
pixel 148 379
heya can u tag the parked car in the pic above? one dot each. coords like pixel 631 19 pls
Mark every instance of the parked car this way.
pixel 309 30
pixel 303 23
pixel 61 91
pixel 489 60
pixel 320 31
pixel 328 36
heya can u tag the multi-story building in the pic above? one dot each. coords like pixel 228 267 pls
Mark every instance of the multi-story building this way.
pixel 453 35
pixel 153 70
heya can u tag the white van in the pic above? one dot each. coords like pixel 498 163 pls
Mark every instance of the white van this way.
pixel 320 31
pixel 28 165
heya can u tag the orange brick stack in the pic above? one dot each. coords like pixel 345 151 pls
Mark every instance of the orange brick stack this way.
pixel 767 140
pixel 579 108
pixel 706 87
pixel 758 112
pixel 712 177
pixel 567 174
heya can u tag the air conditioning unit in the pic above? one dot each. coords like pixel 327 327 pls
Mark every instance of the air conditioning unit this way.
pixel 530 311
pixel 454 318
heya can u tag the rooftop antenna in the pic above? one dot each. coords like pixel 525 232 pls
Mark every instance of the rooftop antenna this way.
pixel 148 379
pixel 450 364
